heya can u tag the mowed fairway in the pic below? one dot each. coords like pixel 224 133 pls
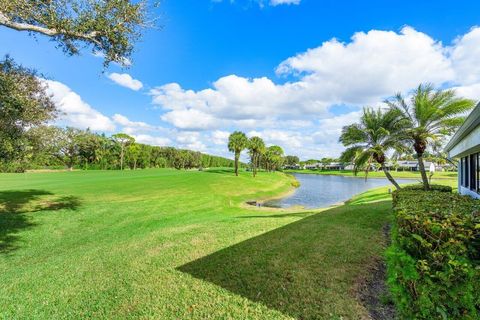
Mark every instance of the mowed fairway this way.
pixel 169 244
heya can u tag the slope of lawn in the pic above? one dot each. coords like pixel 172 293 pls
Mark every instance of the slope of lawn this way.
pixel 168 244
pixel 378 174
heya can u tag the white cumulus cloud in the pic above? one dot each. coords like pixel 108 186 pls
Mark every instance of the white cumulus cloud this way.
pixel 76 112
pixel 152 140
pixel 303 108
pixel 262 3
pixel 279 2
pixel 220 137
pixel 125 80
pixel 369 68
pixel 124 121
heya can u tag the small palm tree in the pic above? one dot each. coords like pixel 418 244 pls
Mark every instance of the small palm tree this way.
pixel 431 115
pixel 372 138
pixel 237 142
pixel 256 147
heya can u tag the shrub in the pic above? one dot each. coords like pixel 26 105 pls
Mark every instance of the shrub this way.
pixel 420 187
pixel 434 259
pixel 433 187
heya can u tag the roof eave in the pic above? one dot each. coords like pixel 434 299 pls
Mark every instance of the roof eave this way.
pixel 472 121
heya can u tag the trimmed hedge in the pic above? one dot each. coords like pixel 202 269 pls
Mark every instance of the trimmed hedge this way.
pixel 434 259
pixel 433 187
pixel 420 187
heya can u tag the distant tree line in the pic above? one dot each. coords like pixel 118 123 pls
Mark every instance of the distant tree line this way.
pixel 55 147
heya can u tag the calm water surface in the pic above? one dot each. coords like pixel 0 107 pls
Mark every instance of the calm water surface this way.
pixel 318 191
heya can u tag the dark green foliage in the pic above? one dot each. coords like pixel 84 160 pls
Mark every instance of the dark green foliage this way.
pixel 433 187
pixel 54 148
pixel 24 104
pixel 420 187
pixel 434 259
pixel 272 159
pixel 291 160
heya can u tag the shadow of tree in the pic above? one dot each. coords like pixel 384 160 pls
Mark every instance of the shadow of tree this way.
pixel 369 198
pixel 281 215
pixel 220 170
pixel 16 204
pixel 308 269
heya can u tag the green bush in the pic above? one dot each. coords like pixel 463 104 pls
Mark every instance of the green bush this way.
pixel 434 259
pixel 433 187
pixel 420 187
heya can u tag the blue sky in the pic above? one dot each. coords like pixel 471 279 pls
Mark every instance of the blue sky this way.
pixel 216 66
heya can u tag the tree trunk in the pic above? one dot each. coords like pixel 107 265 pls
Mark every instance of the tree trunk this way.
pixel 237 155
pixel 421 167
pixel 390 178
pixel 121 159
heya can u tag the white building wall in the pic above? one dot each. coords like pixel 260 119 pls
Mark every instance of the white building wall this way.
pixel 468 145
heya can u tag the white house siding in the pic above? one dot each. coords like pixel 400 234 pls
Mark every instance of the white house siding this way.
pixel 468 145
pixel 465 145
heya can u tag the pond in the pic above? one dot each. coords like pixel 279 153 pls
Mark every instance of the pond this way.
pixel 317 191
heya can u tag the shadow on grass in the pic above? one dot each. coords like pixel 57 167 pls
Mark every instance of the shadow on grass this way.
pixel 14 206
pixel 281 215
pixel 221 170
pixel 307 269
pixel 374 197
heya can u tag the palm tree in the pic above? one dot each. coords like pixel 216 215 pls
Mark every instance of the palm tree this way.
pixel 273 158
pixel 431 115
pixel 372 138
pixel 237 142
pixel 256 147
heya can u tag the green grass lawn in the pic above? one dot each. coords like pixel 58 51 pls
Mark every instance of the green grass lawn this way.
pixel 379 174
pixel 168 244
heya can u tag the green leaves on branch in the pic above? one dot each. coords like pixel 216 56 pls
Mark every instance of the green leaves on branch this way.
pixel 110 28
pixel 24 104
pixel 370 140
pixel 431 116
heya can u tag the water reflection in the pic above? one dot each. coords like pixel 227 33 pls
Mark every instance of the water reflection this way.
pixel 318 191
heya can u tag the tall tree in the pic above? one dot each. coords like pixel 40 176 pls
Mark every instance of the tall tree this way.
pixel 24 104
pixel 273 158
pixel 237 142
pixel 89 145
pixel 124 140
pixel 109 27
pixel 291 160
pixel 133 153
pixel 432 115
pixel 61 143
pixel 256 147
pixel 372 138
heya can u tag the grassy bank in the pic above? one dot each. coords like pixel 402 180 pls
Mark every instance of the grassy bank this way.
pixel 379 174
pixel 177 245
